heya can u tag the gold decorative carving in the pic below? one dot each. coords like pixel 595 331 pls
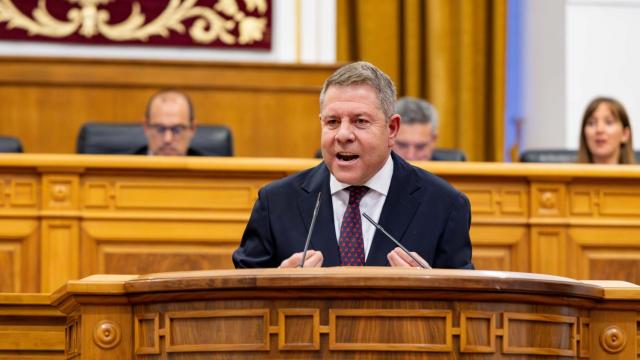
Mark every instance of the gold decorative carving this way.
pixel 87 20
pixel 613 339
pixel 547 200
pixel 107 334
pixel 59 192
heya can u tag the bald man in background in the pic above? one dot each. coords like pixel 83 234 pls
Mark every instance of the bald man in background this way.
pixel 169 125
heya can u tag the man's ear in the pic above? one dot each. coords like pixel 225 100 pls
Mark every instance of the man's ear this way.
pixel 394 127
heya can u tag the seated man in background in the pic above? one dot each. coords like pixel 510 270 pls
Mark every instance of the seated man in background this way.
pixel 359 174
pixel 169 125
pixel 417 137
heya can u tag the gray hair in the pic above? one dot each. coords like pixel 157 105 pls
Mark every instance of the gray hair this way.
pixel 359 73
pixel 416 111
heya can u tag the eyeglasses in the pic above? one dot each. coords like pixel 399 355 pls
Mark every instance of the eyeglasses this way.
pixel 176 130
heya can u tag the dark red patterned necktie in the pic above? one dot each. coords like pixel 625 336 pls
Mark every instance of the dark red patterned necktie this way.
pixel 351 241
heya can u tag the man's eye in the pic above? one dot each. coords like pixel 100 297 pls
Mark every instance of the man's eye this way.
pixel 362 122
pixel 331 122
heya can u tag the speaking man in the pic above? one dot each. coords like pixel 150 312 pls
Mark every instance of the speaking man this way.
pixel 359 174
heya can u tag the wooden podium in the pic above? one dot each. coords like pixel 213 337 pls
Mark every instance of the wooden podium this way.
pixel 347 313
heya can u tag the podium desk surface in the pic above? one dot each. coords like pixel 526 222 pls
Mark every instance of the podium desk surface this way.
pixel 354 278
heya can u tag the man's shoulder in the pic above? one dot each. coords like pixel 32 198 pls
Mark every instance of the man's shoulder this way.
pixel 306 179
pixel 428 181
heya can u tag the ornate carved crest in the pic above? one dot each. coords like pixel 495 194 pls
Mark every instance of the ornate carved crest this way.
pixel 225 22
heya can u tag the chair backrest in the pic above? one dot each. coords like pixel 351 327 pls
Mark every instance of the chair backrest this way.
pixel 438 155
pixel 448 155
pixel 10 144
pixel 556 156
pixel 102 138
pixel 549 156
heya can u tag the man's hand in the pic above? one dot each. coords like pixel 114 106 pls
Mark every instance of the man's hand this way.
pixel 399 258
pixel 314 259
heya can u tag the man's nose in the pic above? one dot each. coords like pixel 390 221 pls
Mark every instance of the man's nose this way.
pixel 168 135
pixel 412 153
pixel 345 132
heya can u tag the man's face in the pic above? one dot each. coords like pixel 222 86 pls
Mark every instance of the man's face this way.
pixel 168 129
pixel 415 141
pixel 356 139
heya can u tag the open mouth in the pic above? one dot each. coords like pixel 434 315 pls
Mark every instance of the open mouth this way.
pixel 342 156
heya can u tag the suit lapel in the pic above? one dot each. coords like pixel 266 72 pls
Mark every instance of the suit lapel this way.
pixel 398 211
pixel 323 238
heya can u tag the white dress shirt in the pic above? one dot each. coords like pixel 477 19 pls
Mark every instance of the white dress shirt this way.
pixel 371 203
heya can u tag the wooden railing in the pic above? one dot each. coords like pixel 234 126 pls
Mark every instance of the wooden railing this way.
pixel 69 216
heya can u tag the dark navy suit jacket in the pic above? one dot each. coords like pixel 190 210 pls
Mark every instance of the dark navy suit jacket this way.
pixel 421 210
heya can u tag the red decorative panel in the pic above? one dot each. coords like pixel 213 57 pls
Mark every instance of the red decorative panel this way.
pixel 209 23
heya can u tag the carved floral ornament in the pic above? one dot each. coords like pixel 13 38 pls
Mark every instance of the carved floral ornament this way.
pixel 216 22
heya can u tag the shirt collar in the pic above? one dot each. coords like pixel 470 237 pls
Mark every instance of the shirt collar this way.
pixel 379 182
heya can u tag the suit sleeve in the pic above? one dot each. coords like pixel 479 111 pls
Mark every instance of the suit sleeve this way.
pixel 454 247
pixel 256 248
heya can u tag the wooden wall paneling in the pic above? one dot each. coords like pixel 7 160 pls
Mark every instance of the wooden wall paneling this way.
pixel 133 247
pixel 500 247
pixel 60 252
pixel 601 252
pixel 272 109
pixel 495 198
pixel 19 231
pixel 19 256
pixel 30 327
pixel 549 253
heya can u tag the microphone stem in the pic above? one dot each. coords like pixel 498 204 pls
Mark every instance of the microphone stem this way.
pixel 313 223
pixel 394 240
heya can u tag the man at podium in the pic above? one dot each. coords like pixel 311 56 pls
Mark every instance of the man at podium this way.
pixel 359 175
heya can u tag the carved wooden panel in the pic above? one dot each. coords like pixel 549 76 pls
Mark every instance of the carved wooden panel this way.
pixel 60 253
pixel 477 332
pixel 405 330
pixel 519 329
pixel 417 327
pixel 60 192
pixel 19 256
pixel 500 247
pixel 18 192
pixel 217 330
pixel 549 250
pixel 169 193
pixel 140 247
pixel 605 253
pixel 146 334
pixel 299 329
pixel 548 199
pixel 499 199
pixel 599 199
pixel 110 330
pixel 72 337
pixel 585 337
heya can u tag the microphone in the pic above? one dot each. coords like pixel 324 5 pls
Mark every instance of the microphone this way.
pixel 313 224
pixel 395 241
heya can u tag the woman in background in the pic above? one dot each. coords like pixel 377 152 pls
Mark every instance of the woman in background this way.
pixel 605 134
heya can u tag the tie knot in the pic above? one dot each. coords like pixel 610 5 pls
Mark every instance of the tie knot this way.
pixel 356 193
